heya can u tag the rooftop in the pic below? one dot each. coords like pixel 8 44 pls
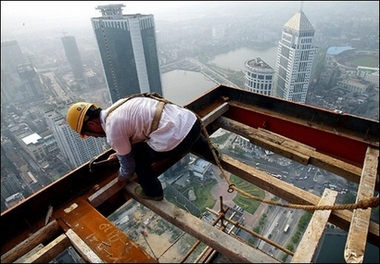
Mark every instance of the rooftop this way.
pixel 31 139
pixel 299 22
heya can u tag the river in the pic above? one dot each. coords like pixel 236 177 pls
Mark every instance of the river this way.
pixel 182 87
pixel 236 59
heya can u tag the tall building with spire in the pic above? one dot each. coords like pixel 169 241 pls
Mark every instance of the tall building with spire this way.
pixel 295 57
pixel 128 50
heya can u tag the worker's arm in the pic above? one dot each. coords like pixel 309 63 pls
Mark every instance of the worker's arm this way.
pixel 127 167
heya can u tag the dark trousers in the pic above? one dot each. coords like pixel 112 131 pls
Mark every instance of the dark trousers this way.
pixel 145 156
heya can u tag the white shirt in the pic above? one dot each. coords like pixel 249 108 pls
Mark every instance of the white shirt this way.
pixel 131 122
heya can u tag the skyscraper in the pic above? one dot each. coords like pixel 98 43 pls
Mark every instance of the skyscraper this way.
pixel 11 57
pixel 258 76
pixel 31 83
pixel 128 50
pixel 75 149
pixel 295 56
pixel 73 56
pixel 6 85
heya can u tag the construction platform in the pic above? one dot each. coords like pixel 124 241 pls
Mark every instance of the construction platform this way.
pixel 73 210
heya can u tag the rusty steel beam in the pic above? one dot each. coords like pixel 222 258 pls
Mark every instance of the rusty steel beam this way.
pixel 341 136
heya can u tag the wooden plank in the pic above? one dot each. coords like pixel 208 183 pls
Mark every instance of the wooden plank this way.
pixel 214 114
pixel 313 233
pixel 264 180
pixel 266 141
pixel 291 149
pixel 50 251
pixel 41 236
pixel 357 235
pixel 281 140
pixel 329 121
pixel 348 171
pixel 205 232
pixel 85 251
pixel 30 253
pixel 291 193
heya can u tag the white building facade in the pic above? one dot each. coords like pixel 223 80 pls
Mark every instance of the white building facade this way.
pixel 370 74
pixel 77 150
pixel 295 57
pixel 258 76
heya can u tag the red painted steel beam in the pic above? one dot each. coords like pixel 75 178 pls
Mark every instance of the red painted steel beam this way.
pixel 344 148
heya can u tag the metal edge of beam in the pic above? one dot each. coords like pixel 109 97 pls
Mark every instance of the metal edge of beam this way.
pixel 26 215
pixel 313 233
pixel 216 239
pixel 308 113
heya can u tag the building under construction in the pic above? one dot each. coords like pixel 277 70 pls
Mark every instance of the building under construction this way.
pixel 73 212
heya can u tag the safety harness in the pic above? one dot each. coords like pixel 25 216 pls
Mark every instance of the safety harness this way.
pixel 157 114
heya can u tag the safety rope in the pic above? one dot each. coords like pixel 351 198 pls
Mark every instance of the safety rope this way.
pixel 157 114
pixel 147 94
pixel 362 204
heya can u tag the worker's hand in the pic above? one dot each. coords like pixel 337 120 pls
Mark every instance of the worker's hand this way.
pixel 112 157
pixel 122 180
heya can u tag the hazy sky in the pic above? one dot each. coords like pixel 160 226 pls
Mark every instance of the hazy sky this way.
pixel 19 16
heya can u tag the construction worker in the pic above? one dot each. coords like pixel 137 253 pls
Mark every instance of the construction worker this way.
pixel 142 130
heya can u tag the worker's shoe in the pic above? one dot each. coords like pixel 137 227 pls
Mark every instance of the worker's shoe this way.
pixel 140 192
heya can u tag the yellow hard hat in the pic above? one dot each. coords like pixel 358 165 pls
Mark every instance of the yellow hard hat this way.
pixel 76 116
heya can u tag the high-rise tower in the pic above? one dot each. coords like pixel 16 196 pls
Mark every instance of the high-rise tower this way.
pixel 295 56
pixel 11 58
pixel 128 50
pixel 75 149
pixel 31 83
pixel 73 56
pixel 258 76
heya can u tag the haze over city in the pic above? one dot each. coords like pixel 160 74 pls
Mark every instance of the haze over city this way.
pixel 18 17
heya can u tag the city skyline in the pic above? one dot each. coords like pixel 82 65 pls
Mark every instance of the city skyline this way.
pixel 62 86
